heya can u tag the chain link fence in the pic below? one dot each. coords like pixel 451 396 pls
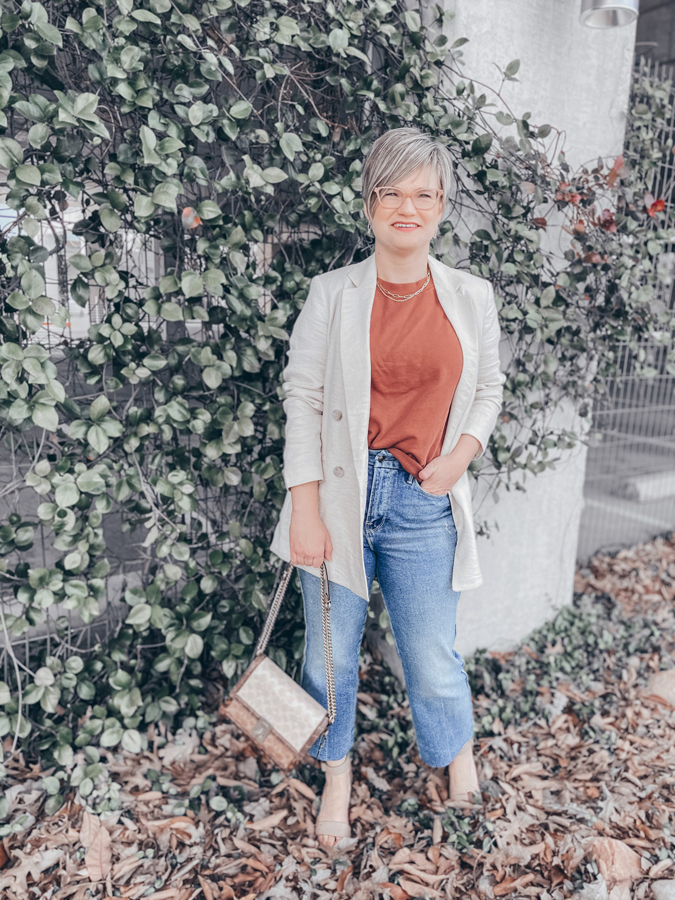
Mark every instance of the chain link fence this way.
pixel 629 490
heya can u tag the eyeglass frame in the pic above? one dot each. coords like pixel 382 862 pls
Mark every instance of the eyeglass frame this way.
pixel 406 194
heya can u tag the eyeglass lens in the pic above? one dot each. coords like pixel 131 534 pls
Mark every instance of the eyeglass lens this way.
pixel 391 198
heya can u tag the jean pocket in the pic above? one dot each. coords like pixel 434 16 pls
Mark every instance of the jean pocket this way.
pixel 420 490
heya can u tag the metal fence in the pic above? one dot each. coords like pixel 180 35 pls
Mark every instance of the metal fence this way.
pixel 629 490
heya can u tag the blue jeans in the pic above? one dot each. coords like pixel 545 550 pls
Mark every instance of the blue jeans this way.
pixel 409 540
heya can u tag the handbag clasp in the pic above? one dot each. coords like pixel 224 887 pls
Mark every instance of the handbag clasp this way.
pixel 261 729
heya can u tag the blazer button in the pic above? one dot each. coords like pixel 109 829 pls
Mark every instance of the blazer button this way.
pixel 339 471
pixel 337 414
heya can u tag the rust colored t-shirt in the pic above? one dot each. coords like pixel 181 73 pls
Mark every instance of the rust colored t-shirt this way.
pixel 416 362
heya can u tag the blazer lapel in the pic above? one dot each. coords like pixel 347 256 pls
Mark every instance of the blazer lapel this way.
pixel 357 302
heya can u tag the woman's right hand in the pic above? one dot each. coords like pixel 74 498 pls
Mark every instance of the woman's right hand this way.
pixel 309 539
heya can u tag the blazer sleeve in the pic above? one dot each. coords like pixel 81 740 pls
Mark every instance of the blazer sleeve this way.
pixel 303 380
pixel 487 402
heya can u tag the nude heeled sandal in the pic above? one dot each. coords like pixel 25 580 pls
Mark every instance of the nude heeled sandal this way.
pixel 470 797
pixel 336 829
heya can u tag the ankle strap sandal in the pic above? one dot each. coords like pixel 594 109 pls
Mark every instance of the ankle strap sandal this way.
pixel 336 829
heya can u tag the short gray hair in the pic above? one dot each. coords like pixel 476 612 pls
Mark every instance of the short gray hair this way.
pixel 398 153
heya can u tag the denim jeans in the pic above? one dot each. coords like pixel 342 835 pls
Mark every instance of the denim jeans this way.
pixel 409 540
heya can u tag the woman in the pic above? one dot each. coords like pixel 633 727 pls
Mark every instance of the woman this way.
pixel 392 387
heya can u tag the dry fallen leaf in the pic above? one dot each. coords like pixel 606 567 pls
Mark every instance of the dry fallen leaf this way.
pixel 90 827
pixel 269 821
pixel 98 858
pixel 616 861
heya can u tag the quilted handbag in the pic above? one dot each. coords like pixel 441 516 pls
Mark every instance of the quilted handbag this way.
pixel 269 706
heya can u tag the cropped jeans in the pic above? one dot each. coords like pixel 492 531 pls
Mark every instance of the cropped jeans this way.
pixel 409 540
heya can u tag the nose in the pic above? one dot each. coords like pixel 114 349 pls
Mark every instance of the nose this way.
pixel 408 207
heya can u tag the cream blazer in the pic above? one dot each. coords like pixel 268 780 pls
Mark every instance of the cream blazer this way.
pixel 326 385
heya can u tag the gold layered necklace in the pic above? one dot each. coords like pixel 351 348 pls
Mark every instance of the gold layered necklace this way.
pixel 399 298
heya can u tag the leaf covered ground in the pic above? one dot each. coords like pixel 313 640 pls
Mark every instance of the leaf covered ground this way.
pixel 575 749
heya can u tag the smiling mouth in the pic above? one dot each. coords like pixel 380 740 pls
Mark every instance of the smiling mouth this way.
pixel 405 226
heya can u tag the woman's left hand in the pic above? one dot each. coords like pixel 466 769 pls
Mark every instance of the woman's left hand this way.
pixel 442 472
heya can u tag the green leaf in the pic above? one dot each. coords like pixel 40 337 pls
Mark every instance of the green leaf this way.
pixel 56 390
pixel 208 584
pixel 316 171
pixel 171 311
pixel 290 145
pixel 273 175
pixel 338 39
pixel 43 306
pixel 143 206
pixel 51 785
pixel 194 646
pixel 112 734
pixel 50 699
pixel 98 439
pixel 212 377
pixel 32 283
pixel 191 284
pixel 237 238
pixel 170 145
pixel 11 152
pixel 200 621
pixel 45 416
pixel 99 408
pixel 412 19
pixel 86 786
pixel 17 300
pixel 50 33
pixel 481 144
pixel 165 195
pixel 33 694
pixel 28 174
pixel 241 109
pixel 111 221
pixel 169 705
pixel 154 362
pixel 44 677
pixel 132 741
pixel 11 351
pixel 139 615
pixel 90 482
pixel 67 495
pixel 80 262
pixel 144 15
pixel 74 665
pixel 207 209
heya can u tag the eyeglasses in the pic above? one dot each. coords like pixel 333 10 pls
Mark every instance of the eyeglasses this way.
pixel 422 198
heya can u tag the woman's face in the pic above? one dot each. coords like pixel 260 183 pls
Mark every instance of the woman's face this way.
pixel 389 225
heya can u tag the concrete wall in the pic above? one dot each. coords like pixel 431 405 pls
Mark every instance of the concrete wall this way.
pixel 572 77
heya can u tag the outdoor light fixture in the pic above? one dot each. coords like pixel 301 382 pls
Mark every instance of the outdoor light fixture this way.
pixel 608 13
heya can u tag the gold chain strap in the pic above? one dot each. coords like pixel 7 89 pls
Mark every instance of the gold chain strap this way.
pixel 283 579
